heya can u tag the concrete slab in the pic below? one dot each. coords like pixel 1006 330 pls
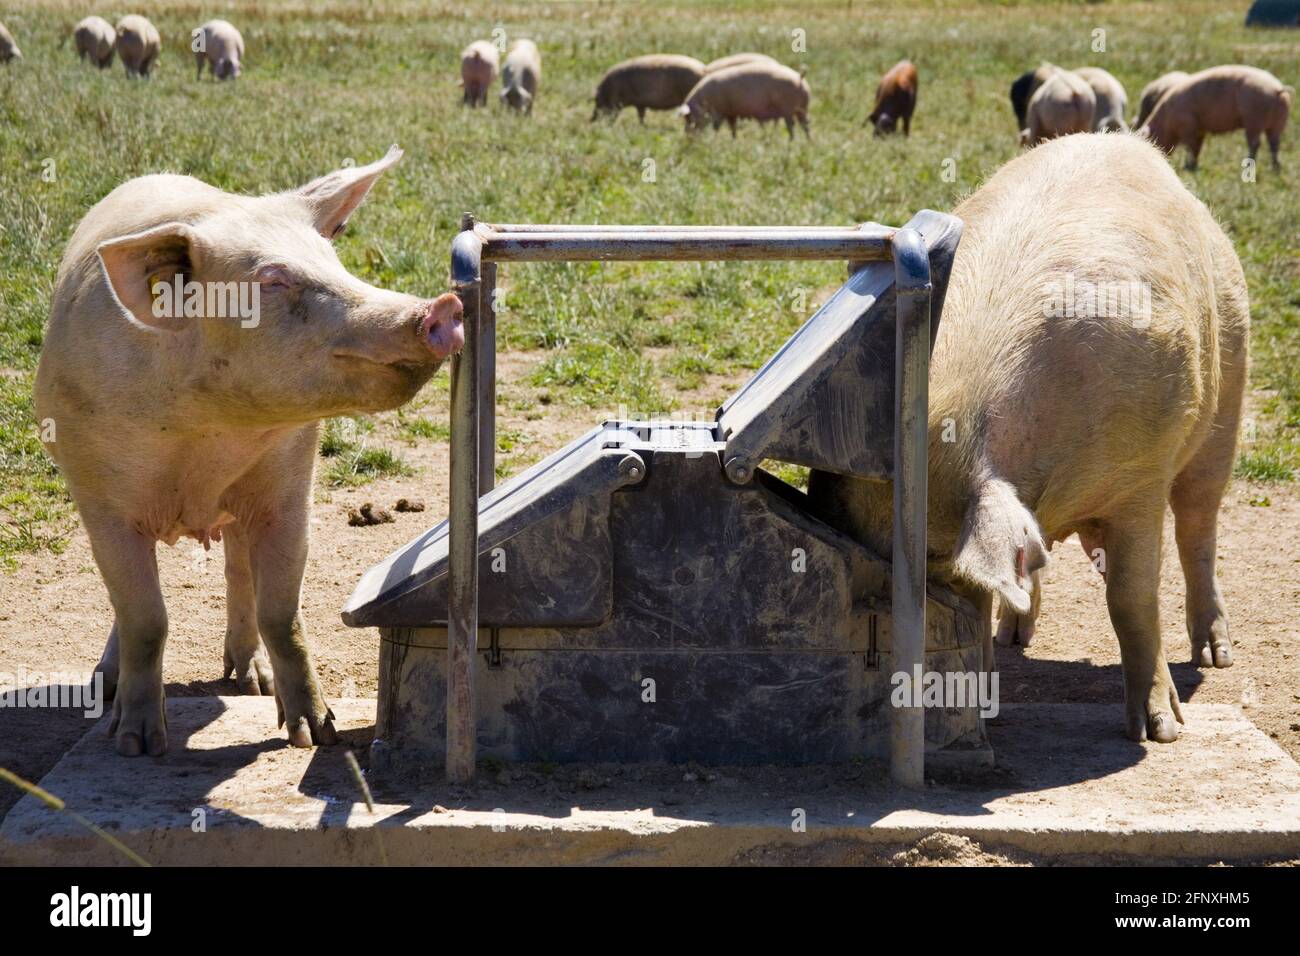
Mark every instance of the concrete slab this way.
pixel 232 792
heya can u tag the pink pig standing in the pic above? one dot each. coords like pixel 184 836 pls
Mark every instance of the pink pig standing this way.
pixel 195 416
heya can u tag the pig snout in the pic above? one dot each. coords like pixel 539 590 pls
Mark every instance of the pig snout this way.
pixel 440 325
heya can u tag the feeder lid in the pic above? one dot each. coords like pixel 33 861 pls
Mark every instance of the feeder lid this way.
pixel 826 398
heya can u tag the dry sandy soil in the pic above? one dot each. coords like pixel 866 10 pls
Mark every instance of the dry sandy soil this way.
pixel 54 612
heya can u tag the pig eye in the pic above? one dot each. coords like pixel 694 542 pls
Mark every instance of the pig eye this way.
pixel 272 278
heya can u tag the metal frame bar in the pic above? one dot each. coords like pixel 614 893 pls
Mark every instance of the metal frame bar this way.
pixel 475 252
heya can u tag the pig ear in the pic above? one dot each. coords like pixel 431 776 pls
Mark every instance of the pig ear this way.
pixel 332 198
pixel 135 264
pixel 1000 545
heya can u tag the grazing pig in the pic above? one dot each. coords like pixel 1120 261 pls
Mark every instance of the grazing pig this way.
pixel 220 48
pixel 1112 101
pixel 660 81
pixel 8 46
pixel 1088 370
pixel 895 99
pixel 1024 88
pixel 749 91
pixel 195 414
pixel 478 68
pixel 95 38
pixel 138 44
pixel 1219 100
pixel 1152 92
pixel 736 59
pixel 1064 104
pixel 520 76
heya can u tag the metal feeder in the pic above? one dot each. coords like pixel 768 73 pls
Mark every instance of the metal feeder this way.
pixel 650 592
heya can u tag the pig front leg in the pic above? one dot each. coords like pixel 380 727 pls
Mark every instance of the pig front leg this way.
pixel 129 567
pixel 245 657
pixel 278 557
pixel 1132 548
pixel 107 667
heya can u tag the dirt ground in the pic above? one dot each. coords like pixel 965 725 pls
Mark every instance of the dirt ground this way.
pixel 55 616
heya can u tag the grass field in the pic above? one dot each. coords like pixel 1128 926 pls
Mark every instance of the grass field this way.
pixel 325 82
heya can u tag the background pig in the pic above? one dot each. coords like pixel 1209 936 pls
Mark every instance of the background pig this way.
pixel 1024 88
pixel 222 52
pixel 1112 101
pixel 478 68
pixel 736 59
pixel 659 81
pixel 1220 100
pixel 1152 92
pixel 520 75
pixel 138 44
pixel 753 90
pixel 1083 420
pixel 8 46
pixel 95 37
pixel 895 99
pixel 171 425
pixel 1064 104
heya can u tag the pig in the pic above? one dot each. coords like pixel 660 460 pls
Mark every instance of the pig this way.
pixel 1053 413
pixel 138 44
pixel 1064 104
pixel 895 99
pixel 1219 100
pixel 1023 89
pixel 173 421
pixel 95 38
pixel 8 46
pixel 221 49
pixel 1152 92
pixel 749 91
pixel 659 81
pixel 1112 101
pixel 520 76
pixel 478 68
pixel 738 58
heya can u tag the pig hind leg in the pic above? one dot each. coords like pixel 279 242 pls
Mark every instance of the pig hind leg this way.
pixel 1274 145
pixel 129 567
pixel 1132 546
pixel 1194 499
pixel 245 657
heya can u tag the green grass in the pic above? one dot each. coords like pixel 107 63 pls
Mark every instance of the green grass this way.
pixel 337 80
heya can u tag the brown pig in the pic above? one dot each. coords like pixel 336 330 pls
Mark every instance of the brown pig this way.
pixel 895 99
pixel 1220 100
pixel 94 37
pixel 138 44
pixel 478 68
pixel 659 81
pixel 1088 372
pixel 1152 92
pixel 195 341
pixel 1064 104
pixel 752 90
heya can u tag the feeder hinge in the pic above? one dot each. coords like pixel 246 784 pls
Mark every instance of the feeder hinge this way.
pixel 494 648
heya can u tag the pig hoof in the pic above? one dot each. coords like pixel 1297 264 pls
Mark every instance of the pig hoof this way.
pixel 253 674
pixel 1160 720
pixel 308 729
pixel 1216 654
pixel 138 733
